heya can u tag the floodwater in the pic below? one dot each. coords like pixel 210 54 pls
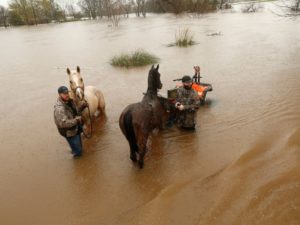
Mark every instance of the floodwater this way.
pixel 241 166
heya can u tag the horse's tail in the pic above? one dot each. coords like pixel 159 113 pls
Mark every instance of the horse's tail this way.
pixel 130 134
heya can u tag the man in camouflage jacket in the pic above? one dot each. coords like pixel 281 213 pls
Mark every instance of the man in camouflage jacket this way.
pixel 187 102
pixel 68 121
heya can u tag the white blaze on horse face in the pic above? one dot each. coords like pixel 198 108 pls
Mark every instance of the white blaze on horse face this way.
pixel 76 84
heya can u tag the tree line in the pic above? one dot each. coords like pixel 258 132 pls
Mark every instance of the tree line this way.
pixel 32 12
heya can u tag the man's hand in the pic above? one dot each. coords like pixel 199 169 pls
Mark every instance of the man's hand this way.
pixel 78 119
pixel 83 105
pixel 179 106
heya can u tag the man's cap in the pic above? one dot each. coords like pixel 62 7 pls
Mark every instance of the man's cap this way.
pixel 186 78
pixel 63 89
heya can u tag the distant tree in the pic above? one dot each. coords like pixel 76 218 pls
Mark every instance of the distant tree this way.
pixel 49 10
pixel 108 8
pixel 224 4
pixel 117 9
pixel 203 6
pixel 251 7
pixel 128 7
pixel 3 16
pixel 297 6
pixel 288 8
pixel 70 10
pixel 20 9
pixel 34 7
pixel 92 8
pixel 113 7
pixel 180 6
pixel 177 5
pixel 155 6
pixel 15 19
pixel 31 12
pixel 141 8
pixel 46 11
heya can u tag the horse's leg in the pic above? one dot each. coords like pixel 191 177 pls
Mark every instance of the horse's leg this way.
pixel 142 145
pixel 133 150
pixel 87 128
pixel 125 123
pixel 101 101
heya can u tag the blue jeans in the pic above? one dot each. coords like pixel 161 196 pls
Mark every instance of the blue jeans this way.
pixel 75 144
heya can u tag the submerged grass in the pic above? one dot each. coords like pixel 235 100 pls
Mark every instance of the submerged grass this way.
pixel 137 58
pixel 183 38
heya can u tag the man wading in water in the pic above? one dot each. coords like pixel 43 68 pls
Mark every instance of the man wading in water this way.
pixel 68 121
pixel 187 103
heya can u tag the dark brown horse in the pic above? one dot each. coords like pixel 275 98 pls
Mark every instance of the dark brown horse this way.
pixel 139 119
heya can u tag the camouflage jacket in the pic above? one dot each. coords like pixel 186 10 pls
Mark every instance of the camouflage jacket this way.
pixel 64 118
pixel 188 98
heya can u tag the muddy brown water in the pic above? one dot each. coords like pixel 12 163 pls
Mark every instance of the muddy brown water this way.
pixel 241 166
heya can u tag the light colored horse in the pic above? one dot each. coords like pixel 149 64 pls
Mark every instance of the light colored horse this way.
pixel 79 93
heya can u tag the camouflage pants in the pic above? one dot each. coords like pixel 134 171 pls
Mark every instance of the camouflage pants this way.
pixel 186 119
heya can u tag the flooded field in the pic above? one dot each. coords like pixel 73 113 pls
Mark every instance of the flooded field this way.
pixel 241 166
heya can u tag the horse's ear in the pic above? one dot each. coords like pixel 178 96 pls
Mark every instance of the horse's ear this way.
pixel 152 67
pixel 78 69
pixel 68 71
pixel 157 67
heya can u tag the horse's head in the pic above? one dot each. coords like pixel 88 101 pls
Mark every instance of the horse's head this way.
pixel 76 83
pixel 154 82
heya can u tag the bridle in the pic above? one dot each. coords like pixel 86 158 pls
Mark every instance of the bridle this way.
pixel 78 87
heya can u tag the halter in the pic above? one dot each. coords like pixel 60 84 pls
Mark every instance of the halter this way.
pixel 77 87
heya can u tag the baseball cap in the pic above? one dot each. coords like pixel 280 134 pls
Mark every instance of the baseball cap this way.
pixel 63 89
pixel 186 78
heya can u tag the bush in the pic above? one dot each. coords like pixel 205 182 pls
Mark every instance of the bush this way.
pixel 184 38
pixel 137 58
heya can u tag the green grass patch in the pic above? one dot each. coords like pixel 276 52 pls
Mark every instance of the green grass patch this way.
pixel 137 58
pixel 183 38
